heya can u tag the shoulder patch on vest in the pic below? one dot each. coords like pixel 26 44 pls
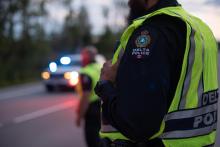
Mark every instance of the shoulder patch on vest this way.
pixel 142 42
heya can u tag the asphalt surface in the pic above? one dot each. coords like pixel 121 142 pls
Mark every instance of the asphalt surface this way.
pixel 31 117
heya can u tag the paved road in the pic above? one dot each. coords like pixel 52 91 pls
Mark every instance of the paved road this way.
pixel 30 117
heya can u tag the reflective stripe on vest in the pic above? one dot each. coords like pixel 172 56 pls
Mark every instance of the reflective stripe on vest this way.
pixel 192 116
pixel 93 71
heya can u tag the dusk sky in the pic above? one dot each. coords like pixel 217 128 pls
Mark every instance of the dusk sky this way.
pixel 207 10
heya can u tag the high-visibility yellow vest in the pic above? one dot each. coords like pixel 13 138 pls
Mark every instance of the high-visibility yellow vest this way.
pixel 93 70
pixel 192 116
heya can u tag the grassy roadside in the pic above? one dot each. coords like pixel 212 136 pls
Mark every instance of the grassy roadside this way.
pixel 18 82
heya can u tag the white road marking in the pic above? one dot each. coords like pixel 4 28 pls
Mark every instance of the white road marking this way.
pixel 43 112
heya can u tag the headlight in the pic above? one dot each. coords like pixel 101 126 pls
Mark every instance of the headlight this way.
pixel 74 78
pixel 53 67
pixel 45 75
pixel 67 75
pixel 65 60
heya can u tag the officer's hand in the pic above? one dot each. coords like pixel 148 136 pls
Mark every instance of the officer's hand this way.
pixel 109 71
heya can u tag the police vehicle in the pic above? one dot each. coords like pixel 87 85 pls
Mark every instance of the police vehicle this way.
pixel 62 73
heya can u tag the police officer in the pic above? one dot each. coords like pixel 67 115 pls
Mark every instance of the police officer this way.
pixel 89 107
pixel 161 87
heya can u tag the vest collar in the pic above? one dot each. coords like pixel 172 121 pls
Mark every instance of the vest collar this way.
pixel 162 4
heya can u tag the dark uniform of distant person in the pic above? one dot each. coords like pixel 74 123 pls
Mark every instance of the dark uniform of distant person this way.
pixel 89 105
pixel 161 88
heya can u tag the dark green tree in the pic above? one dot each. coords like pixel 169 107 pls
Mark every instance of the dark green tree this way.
pixel 107 42
pixel 21 58
pixel 76 32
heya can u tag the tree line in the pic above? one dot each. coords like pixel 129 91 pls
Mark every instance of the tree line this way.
pixel 26 47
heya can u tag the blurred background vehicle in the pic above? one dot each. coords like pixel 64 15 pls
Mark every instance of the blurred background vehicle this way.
pixel 63 72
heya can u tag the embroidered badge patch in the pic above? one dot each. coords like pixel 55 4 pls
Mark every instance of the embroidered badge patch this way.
pixel 142 42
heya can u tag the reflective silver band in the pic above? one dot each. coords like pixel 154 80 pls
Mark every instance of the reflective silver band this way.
pixel 191 113
pixel 189 133
pixel 200 91
pixel 200 87
pixel 108 128
pixel 191 58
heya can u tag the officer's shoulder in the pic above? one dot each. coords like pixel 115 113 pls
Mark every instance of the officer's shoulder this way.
pixel 166 22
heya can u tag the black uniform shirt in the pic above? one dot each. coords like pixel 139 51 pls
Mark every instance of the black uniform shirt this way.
pixel 86 82
pixel 147 79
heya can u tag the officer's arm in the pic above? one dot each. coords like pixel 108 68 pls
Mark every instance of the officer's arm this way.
pixel 147 77
pixel 83 89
